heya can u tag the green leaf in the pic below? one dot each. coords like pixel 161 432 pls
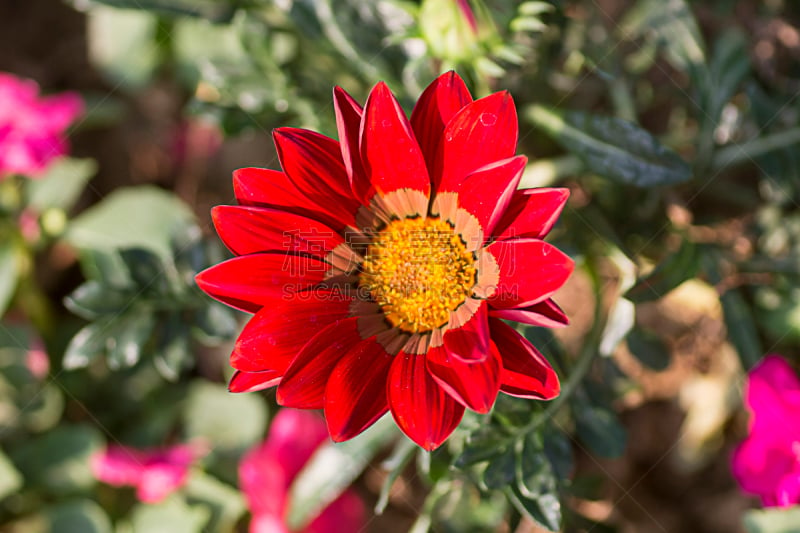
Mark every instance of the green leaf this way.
pixel 88 344
pixel 173 353
pixel 729 66
pixel 170 516
pixel 94 299
pixel 648 348
pixel 544 509
pixel 9 270
pixel 331 469
pixel 80 516
pixel 534 473
pixel 62 185
pixel 215 324
pixel 501 470
pixel 106 267
pixel 231 423
pixel 131 217
pixel 674 270
pixel 558 450
pixel 482 445
pixel 122 45
pixel 58 461
pixel 133 333
pixel 225 502
pixel 673 26
pixel 773 520
pixel 145 268
pixel 599 428
pixel 10 478
pixel 394 466
pixel 611 147
pixel 740 323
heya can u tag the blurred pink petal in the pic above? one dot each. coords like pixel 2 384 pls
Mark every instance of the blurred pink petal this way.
pixel 267 471
pixel 767 462
pixel 156 473
pixel 32 128
pixel 36 360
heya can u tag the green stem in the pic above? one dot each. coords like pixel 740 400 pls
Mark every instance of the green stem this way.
pixel 739 153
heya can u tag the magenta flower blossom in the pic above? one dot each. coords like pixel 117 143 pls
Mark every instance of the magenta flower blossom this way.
pixel 156 473
pixel 767 463
pixel 32 128
pixel 268 470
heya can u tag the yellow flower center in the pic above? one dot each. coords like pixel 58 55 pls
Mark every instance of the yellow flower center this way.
pixel 418 270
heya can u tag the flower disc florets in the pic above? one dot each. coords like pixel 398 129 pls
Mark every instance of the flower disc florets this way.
pixel 419 271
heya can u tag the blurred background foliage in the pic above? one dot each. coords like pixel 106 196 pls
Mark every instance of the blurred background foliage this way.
pixel 673 122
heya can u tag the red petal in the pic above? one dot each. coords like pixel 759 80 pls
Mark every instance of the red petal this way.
pixel 390 152
pixel 470 342
pixel 530 271
pixel 313 162
pixel 262 187
pixel 275 335
pixel 531 213
pixel 486 192
pixel 348 125
pixel 247 230
pixel 546 314
pixel 251 282
pixel 481 133
pixel 526 372
pixel 253 381
pixel 440 101
pixel 474 384
pixel 421 408
pixel 356 394
pixel 303 385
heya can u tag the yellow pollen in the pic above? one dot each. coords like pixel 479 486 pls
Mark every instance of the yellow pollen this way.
pixel 418 270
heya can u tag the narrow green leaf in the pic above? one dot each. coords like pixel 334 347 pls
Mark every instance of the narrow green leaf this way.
pixel 331 469
pixel 61 186
pixel 8 274
pixel 394 466
pixel 648 348
pixel 674 270
pixel 173 351
pixel 741 328
pixel 611 147
pixel 215 323
pixel 558 450
pixel 534 472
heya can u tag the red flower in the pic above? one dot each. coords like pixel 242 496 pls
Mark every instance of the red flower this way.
pixel 379 267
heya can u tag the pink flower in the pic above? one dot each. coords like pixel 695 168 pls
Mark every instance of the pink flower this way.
pixel 156 473
pixel 767 463
pixel 267 471
pixel 32 128
pixel 36 360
